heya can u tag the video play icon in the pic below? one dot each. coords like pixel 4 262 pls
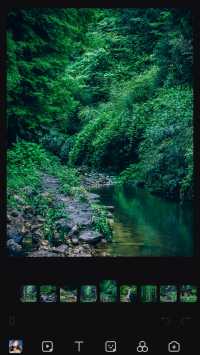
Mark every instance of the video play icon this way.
pixel 47 346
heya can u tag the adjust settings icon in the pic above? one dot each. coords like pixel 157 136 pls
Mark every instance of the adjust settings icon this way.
pixel 142 347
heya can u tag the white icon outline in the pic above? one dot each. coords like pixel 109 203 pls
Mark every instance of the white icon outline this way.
pixel 142 347
pixel 79 343
pixel 174 346
pixel 108 343
pixel 44 342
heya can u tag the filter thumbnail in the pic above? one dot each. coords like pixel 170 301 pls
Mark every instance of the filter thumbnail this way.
pixel 48 294
pixel 168 293
pixel 88 294
pixel 128 293
pixel 188 294
pixel 69 294
pixel 148 294
pixel 108 291
pixel 28 293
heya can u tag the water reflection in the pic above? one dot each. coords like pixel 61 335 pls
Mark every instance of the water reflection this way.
pixel 147 225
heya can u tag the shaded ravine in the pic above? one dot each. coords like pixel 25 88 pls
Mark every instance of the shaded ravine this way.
pixel 142 224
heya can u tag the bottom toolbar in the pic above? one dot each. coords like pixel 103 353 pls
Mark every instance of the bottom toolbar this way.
pixel 101 346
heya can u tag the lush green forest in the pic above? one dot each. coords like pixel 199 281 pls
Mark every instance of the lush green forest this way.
pixel 93 93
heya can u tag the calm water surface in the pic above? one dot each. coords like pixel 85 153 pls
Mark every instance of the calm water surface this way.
pixel 147 225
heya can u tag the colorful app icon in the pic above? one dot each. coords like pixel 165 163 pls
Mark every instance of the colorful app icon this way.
pixel 15 346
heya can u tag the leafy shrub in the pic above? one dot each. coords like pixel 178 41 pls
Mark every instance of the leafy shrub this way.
pixel 111 137
pixel 28 154
pixel 100 222
pixel 53 141
pixel 66 148
pixel 24 160
pixel 165 155
pixel 58 143
pixel 82 148
pixel 44 205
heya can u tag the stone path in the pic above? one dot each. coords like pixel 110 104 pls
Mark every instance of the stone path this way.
pixel 74 235
pixel 80 238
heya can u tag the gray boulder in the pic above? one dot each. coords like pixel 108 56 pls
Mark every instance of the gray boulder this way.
pixel 14 248
pixel 75 241
pixel 90 236
pixel 64 225
pixel 92 197
pixel 41 254
pixel 62 249
pixel 73 231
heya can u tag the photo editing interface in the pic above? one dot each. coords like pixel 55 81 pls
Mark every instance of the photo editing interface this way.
pixel 101 247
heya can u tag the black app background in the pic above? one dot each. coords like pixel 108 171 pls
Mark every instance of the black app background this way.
pixel 94 324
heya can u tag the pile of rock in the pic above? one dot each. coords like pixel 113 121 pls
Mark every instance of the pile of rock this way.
pixel 23 227
pixel 74 233
pixel 96 180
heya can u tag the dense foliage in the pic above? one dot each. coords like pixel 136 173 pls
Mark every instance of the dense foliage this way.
pixel 108 88
pixel 41 43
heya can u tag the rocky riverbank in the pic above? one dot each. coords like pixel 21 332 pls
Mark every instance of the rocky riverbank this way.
pixel 95 180
pixel 75 233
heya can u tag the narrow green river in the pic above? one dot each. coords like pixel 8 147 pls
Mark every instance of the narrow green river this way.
pixel 148 225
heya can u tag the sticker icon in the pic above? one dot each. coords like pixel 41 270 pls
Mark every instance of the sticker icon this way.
pixel 174 347
pixel 142 347
pixel 110 346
